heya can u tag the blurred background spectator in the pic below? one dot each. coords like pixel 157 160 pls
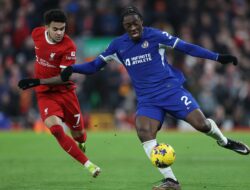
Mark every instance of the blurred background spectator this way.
pixel 220 25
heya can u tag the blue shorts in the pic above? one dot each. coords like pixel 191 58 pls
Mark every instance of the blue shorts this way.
pixel 178 102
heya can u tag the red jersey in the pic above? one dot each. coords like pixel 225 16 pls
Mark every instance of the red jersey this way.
pixel 51 58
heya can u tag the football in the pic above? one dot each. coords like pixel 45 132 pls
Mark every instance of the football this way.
pixel 162 155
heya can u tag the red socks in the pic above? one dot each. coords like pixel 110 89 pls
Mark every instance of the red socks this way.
pixel 81 139
pixel 68 144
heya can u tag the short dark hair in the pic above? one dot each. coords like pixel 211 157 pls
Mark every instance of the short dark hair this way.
pixel 131 10
pixel 55 15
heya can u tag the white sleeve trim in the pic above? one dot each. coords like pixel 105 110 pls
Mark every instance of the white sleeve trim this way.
pixel 111 58
pixel 175 43
pixel 62 66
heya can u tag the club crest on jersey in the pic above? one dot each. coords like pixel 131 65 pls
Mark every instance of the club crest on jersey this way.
pixel 46 111
pixel 145 44
pixel 52 55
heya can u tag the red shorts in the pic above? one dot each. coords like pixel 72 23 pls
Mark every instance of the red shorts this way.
pixel 62 104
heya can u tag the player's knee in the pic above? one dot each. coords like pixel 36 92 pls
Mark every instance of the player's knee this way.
pixel 145 133
pixel 57 131
pixel 53 120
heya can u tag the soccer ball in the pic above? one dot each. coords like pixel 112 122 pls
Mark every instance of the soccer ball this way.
pixel 162 155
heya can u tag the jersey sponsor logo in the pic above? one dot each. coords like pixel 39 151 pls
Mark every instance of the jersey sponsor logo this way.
pixel 72 56
pixel 36 47
pixel 138 59
pixel 145 44
pixel 44 63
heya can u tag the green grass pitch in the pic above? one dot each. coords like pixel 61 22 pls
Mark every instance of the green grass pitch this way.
pixel 31 161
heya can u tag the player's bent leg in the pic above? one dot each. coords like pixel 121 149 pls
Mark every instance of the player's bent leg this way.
pixel 198 121
pixel 72 149
pixel 226 142
pixel 168 184
pixel 69 145
pixel 146 130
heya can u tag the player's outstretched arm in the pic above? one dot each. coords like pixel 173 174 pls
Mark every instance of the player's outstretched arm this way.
pixel 33 82
pixel 84 68
pixel 197 51
pixel 52 80
pixel 89 67
pixel 28 83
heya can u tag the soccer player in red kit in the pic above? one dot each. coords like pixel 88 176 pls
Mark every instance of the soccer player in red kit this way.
pixel 58 103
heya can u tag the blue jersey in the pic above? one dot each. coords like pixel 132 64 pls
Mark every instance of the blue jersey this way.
pixel 158 85
pixel 146 62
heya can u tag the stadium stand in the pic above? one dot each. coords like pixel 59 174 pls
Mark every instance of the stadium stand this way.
pixel 219 25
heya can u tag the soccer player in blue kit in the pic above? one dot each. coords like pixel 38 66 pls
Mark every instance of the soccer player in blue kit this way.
pixel 158 85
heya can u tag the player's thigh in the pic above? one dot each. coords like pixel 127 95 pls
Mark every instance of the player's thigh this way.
pixel 149 117
pixel 50 110
pixel 180 104
pixel 72 113
pixel 150 110
pixel 146 123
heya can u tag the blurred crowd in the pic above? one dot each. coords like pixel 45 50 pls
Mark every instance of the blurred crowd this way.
pixel 219 25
